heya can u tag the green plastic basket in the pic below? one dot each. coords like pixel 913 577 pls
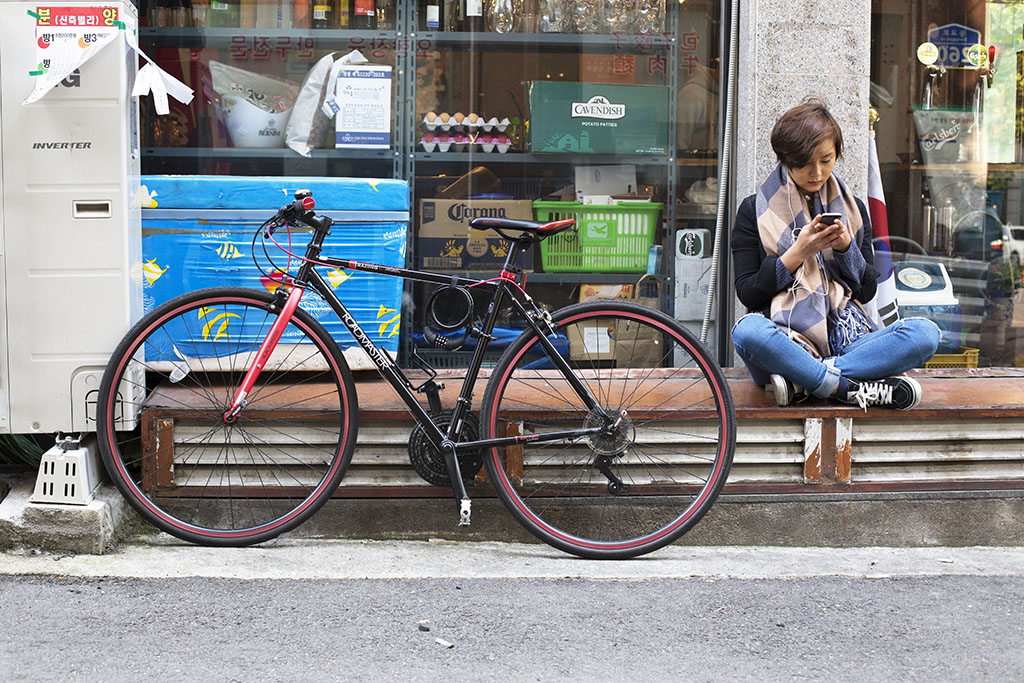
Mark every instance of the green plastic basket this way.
pixel 609 238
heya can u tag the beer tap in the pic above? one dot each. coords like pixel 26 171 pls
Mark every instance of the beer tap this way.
pixel 933 72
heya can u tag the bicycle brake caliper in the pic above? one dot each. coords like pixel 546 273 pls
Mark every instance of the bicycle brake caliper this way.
pixel 542 316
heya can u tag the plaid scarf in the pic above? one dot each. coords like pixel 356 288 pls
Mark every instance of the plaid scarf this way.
pixel 802 311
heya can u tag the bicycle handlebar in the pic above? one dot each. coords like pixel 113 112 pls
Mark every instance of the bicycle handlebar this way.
pixel 299 211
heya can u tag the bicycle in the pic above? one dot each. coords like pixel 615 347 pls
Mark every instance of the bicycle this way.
pixel 227 416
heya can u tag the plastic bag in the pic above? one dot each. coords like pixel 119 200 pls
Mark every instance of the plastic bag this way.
pixel 256 108
pixel 273 95
pixel 309 125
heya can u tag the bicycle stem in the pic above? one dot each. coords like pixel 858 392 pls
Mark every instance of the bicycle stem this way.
pixel 263 355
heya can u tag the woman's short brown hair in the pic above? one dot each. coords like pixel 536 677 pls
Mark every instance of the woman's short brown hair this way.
pixel 801 129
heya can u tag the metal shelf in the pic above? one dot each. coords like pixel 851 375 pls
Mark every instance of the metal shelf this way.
pixel 272 153
pixel 540 158
pixel 545 42
pixel 527 42
pixel 222 37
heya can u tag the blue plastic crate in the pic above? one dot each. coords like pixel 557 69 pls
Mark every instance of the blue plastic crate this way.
pixel 200 233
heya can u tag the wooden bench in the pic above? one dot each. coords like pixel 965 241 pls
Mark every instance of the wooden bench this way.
pixel 967 433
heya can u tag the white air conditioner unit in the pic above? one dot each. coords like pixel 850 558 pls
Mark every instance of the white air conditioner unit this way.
pixel 68 232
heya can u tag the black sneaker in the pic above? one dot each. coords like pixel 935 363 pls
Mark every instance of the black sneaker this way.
pixel 785 391
pixel 899 393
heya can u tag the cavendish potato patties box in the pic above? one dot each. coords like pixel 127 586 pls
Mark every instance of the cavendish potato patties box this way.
pixel 598 118
pixel 445 241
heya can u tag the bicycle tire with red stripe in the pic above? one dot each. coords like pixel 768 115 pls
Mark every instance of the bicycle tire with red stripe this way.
pixel 645 482
pixel 225 482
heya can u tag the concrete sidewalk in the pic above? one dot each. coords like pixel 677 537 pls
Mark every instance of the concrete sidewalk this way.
pixel 161 557
pixel 896 520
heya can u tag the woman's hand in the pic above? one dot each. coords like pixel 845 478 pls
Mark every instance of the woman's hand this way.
pixel 840 236
pixel 814 238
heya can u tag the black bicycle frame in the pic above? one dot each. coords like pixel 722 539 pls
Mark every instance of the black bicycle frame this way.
pixel 390 371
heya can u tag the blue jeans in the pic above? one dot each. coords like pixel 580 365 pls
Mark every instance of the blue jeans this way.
pixel 766 350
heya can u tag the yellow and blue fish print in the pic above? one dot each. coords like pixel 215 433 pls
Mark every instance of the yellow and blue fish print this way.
pixel 228 251
pixel 336 277
pixel 150 271
pixel 395 321
pixel 214 316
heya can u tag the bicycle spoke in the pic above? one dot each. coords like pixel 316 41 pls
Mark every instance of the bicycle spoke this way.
pixel 634 482
pixel 217 478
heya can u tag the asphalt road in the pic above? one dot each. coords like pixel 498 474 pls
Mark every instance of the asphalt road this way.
pixel 516 613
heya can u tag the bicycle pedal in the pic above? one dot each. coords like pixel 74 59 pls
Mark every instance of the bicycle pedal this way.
pixel 464 511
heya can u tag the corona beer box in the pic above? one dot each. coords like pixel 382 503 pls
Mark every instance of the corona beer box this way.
pixel 598 118
pixel 445 241
pixel 197 231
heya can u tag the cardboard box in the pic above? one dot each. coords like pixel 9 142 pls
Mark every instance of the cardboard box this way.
pixel 626 344
pixel 598 118
pixel 445 242
pixel 693 273
pixel 596 292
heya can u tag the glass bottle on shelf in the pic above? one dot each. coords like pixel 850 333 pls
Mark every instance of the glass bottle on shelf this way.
pixel 385 11
pixel 526 13
pixel 364 15
pixel 588 15
pixel 177 15
pixel 323 14
pixel 431 15
pixel 157 16
pixel 302 14
pixel 501 15
pixel 553 16
pixel 223 14
pixel 200 10
pixel 343 14
pixel 620 16
pixel 452 15
pixel 472 15
pixel 651 17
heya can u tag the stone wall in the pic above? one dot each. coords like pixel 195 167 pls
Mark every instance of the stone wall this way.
pixel 795 49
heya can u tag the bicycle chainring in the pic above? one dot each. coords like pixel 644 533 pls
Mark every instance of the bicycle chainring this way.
pixel 429 462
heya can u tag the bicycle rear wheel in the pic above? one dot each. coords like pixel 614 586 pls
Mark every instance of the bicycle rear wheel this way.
pixel 638 486
pixel 182 466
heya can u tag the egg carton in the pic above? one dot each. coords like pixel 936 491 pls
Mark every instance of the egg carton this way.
pixel 458 122
pixel 463 143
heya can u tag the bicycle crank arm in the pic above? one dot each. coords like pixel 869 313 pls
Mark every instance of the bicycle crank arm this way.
pixel 458 487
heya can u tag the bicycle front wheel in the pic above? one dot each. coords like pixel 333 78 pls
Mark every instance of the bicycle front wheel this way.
pixel 185 468
pixel 666 439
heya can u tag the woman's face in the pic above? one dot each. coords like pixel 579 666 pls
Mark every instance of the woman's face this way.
pixel 811 177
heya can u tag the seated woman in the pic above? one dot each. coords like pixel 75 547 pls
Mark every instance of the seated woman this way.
pixel 804 278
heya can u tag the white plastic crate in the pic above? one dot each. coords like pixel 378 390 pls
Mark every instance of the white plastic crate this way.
pixel 69 476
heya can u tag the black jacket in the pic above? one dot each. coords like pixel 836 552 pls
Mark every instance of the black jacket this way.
pixel 759 277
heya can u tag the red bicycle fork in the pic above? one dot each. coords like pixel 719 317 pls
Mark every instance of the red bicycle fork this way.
pixel 263 355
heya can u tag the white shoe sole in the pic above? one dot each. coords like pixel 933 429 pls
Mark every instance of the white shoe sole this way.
pixel 917 391
pixel 780 387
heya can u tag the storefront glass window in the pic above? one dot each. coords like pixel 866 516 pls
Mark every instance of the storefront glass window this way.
pixel 946 79
pixel 520 111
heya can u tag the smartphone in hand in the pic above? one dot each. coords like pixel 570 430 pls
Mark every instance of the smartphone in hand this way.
pixel 828 219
